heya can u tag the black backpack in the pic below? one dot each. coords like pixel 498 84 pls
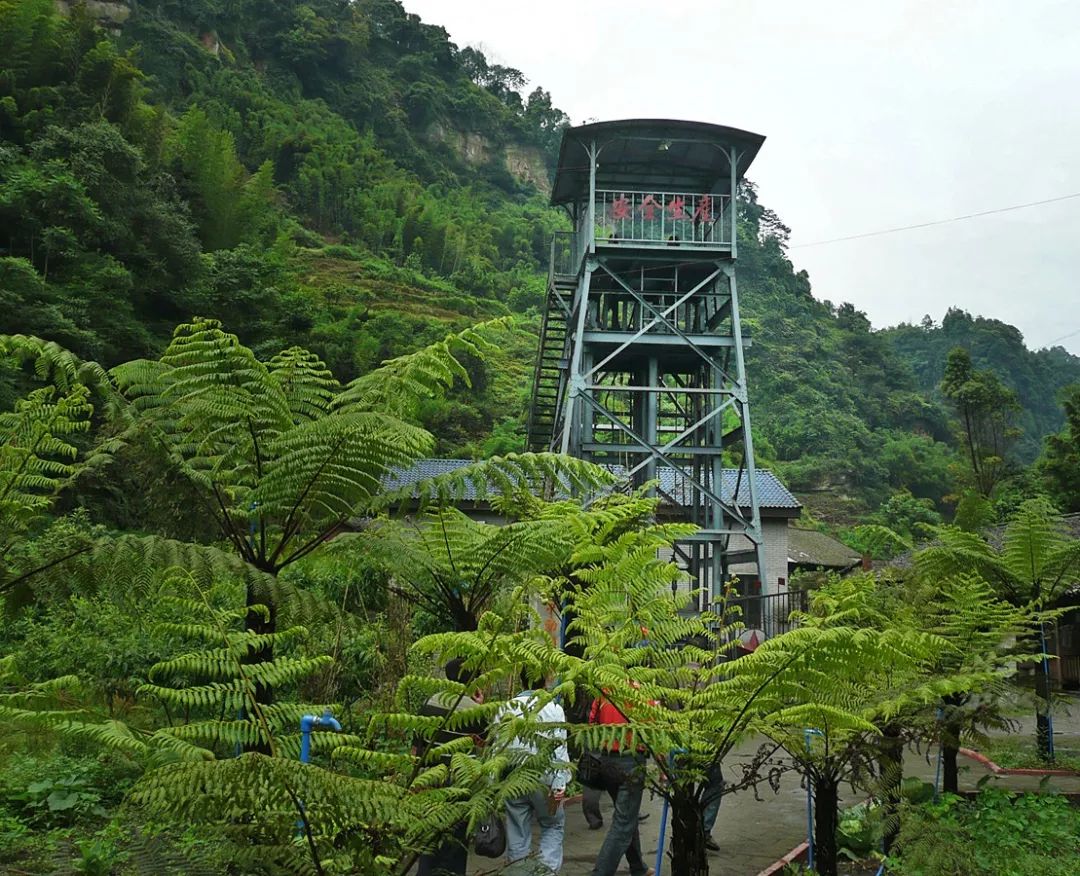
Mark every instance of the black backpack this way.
pixel 578 712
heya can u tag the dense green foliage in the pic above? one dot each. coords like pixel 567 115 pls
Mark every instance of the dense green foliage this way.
pixel 1060 462
pixel 996 833
pixel 197 547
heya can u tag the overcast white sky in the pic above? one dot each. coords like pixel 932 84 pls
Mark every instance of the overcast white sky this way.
pixel 878 114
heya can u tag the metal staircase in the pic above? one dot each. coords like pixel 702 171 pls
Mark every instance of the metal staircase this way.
pixel 552 363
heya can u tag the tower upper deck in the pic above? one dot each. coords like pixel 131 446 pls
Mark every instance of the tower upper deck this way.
pixel 652 183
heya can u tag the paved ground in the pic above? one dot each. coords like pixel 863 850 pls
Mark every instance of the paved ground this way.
pixel 753 833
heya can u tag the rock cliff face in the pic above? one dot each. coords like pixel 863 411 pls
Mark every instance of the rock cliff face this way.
pixel 525 163
pixel 111 13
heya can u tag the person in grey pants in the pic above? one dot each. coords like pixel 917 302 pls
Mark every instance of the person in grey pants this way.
pixel 626 777
pixel 590 808
pixel 714 790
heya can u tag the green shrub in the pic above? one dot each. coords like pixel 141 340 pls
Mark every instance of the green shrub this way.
pixel 997 833
pixel 858 834
pixel 341 251
pixel 60 790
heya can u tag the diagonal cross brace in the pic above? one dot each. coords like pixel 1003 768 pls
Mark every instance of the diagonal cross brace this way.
pixel 729 509
pixel 660 318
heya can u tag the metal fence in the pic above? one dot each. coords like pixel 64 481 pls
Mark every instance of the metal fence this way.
pixel 770 613
pixel 1069 671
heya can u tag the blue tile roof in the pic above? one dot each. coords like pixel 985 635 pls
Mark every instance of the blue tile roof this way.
pixel 772 494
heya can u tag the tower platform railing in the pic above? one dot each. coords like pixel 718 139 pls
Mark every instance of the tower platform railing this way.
pixel 565 255
pixel 769 614
pixel 663 219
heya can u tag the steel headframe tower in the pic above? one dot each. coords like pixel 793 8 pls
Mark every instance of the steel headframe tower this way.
pixel 641 354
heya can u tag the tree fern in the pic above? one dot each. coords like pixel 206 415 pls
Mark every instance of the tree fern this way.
pixel 455 567
pixel 216 686
pixel 36 453
pixel 37 459
pixel 55 365
pixel 399 385
pixel 1036 561
pixel 44 708
pixel 282 456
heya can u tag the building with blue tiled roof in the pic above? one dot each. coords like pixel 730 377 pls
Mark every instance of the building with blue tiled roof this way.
pixel 777 505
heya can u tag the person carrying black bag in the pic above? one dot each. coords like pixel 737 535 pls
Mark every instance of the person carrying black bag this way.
pixel 578 713
pixel 623 777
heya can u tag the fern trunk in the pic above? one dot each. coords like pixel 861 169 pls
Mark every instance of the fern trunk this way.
pixel 688 854
pixel 891 764
pixel 262 624
pixel 826 817
pixel 1042 714
pixel 950 774
pixel 950 745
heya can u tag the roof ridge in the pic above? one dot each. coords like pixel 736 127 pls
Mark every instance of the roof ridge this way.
pixel 773 494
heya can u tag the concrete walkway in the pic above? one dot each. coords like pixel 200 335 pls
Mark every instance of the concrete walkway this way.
pixel 754 832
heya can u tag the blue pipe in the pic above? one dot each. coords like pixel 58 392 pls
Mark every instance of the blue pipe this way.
pixel 309 723
pixel 937 775
pixel 808 734
pixel 664 812
pixel 663 836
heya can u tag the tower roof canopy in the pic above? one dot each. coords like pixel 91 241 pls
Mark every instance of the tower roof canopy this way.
pixel 651 154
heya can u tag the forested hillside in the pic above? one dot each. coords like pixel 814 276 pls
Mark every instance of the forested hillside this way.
pixel 340 175
pixel 1037 377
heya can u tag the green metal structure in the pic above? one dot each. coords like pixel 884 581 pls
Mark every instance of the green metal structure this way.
pixel 641 354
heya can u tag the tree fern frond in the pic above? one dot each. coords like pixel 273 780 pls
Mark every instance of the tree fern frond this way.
pixel 308 385
pixel 399 386
pixel 510 475
pixel 55 365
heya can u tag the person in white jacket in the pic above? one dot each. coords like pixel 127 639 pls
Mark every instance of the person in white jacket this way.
pixel 545 803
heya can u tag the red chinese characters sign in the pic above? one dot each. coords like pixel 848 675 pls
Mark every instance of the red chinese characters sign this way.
pixel 676 207
pixel 620 208
pixel 703 213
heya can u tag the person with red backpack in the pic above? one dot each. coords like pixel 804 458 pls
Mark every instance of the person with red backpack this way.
pixel 623 769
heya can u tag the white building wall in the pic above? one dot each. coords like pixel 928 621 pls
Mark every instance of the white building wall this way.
pixel 774 536
pixel 774 533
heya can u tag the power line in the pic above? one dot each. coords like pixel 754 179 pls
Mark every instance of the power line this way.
pixel 1064 337
pixel 937 221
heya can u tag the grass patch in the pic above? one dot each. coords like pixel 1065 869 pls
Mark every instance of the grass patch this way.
pixel 1019 752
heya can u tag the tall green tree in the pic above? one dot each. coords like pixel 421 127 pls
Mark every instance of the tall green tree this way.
pixel 986 410
pixel 232 206
pixel 1060 462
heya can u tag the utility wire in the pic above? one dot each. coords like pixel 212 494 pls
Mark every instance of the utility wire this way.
pixel 937 221
pixel 1064 337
